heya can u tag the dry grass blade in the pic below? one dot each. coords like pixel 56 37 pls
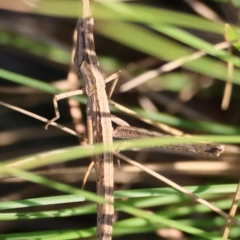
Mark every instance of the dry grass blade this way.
pixel 73 82
pixel 90 166
pixel 177 187
pixel 161 126
pixel 203 10
pixel 33 115
pixel 232 212
pixel 166 68
pixel 228 86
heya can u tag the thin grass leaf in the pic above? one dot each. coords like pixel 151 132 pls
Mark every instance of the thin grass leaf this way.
pixel 71 153
pixel 137 197
pixel 196 42
pixel 127 34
